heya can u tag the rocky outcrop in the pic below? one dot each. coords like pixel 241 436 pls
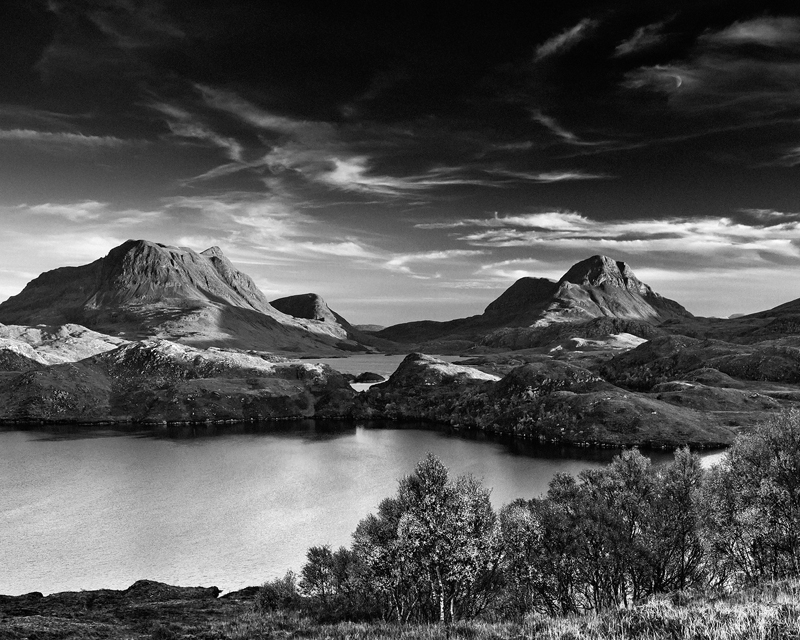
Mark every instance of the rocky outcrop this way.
pixel 16 356
pixel 51 345
pixel 146 289
pixel 422 388
pixel 158 381
pixel 420 370
pixel 674 357
pixel 547 400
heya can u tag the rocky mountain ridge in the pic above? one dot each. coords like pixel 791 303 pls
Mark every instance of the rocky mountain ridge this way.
pixel 597 287
pixel 144 289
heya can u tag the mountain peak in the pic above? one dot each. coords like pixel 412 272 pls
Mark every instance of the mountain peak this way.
pixel 601 270
pixel 213 252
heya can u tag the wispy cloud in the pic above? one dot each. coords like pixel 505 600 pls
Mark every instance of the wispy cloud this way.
pixel 542 220
pixel 789 158
pixel 354 174
pixel 566 39
pixel 564 134
pixel 61 138
pixel 248 112
pixel 74 212
pixel 133 26
pixel 400 263
pixel 23 117
pixel 183 124
pixel 733 82
pixel 86 214
pixel 260 228
pixel 760 237
pixel 514 269
pixel 767 31
pixel 546 177
pixel 664 78
pixel 552 125
pixel 770 215
pixel 317 151
pixel 50 250
pixel 644 38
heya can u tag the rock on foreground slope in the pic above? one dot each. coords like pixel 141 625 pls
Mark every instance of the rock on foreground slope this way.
pixel 145 289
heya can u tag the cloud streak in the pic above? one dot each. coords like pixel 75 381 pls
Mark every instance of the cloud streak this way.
pixel 765 237
pixel 565 40
pixel 400 263
pixel 766 31
pixel 183 124
pixel 644 38
pixel 61 138
pixel 547 177
pixel 723 76
pixel 74 212
pixel 315 151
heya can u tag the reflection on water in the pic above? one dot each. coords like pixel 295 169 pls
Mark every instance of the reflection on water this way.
pixel 228 505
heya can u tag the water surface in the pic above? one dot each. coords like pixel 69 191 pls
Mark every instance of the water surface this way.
pixel 229 506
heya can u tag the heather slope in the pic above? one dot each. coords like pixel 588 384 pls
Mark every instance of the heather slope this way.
pixel 150 609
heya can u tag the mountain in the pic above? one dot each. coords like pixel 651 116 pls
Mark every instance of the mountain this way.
pixel 146 289
pixel 597 287
pixel 310 306
pixel 593 288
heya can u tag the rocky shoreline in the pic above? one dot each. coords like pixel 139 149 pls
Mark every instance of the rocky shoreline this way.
pixel 663 394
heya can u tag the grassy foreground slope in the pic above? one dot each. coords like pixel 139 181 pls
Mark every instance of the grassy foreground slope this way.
pixel 770 611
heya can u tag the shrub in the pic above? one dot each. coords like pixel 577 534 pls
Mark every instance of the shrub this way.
pixel 278 594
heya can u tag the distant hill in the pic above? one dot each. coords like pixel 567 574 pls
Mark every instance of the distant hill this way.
pixel 371 328
pixel 146 289
pixel 597 287
pixel 310 306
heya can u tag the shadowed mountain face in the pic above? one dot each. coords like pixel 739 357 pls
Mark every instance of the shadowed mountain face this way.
pixel 594 288
pixel 309 306
pixel 144 289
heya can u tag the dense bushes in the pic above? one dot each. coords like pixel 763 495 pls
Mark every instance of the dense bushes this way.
pixel 752 519
pixel 606 539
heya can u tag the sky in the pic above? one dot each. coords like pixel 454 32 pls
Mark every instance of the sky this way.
pixel 407 161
